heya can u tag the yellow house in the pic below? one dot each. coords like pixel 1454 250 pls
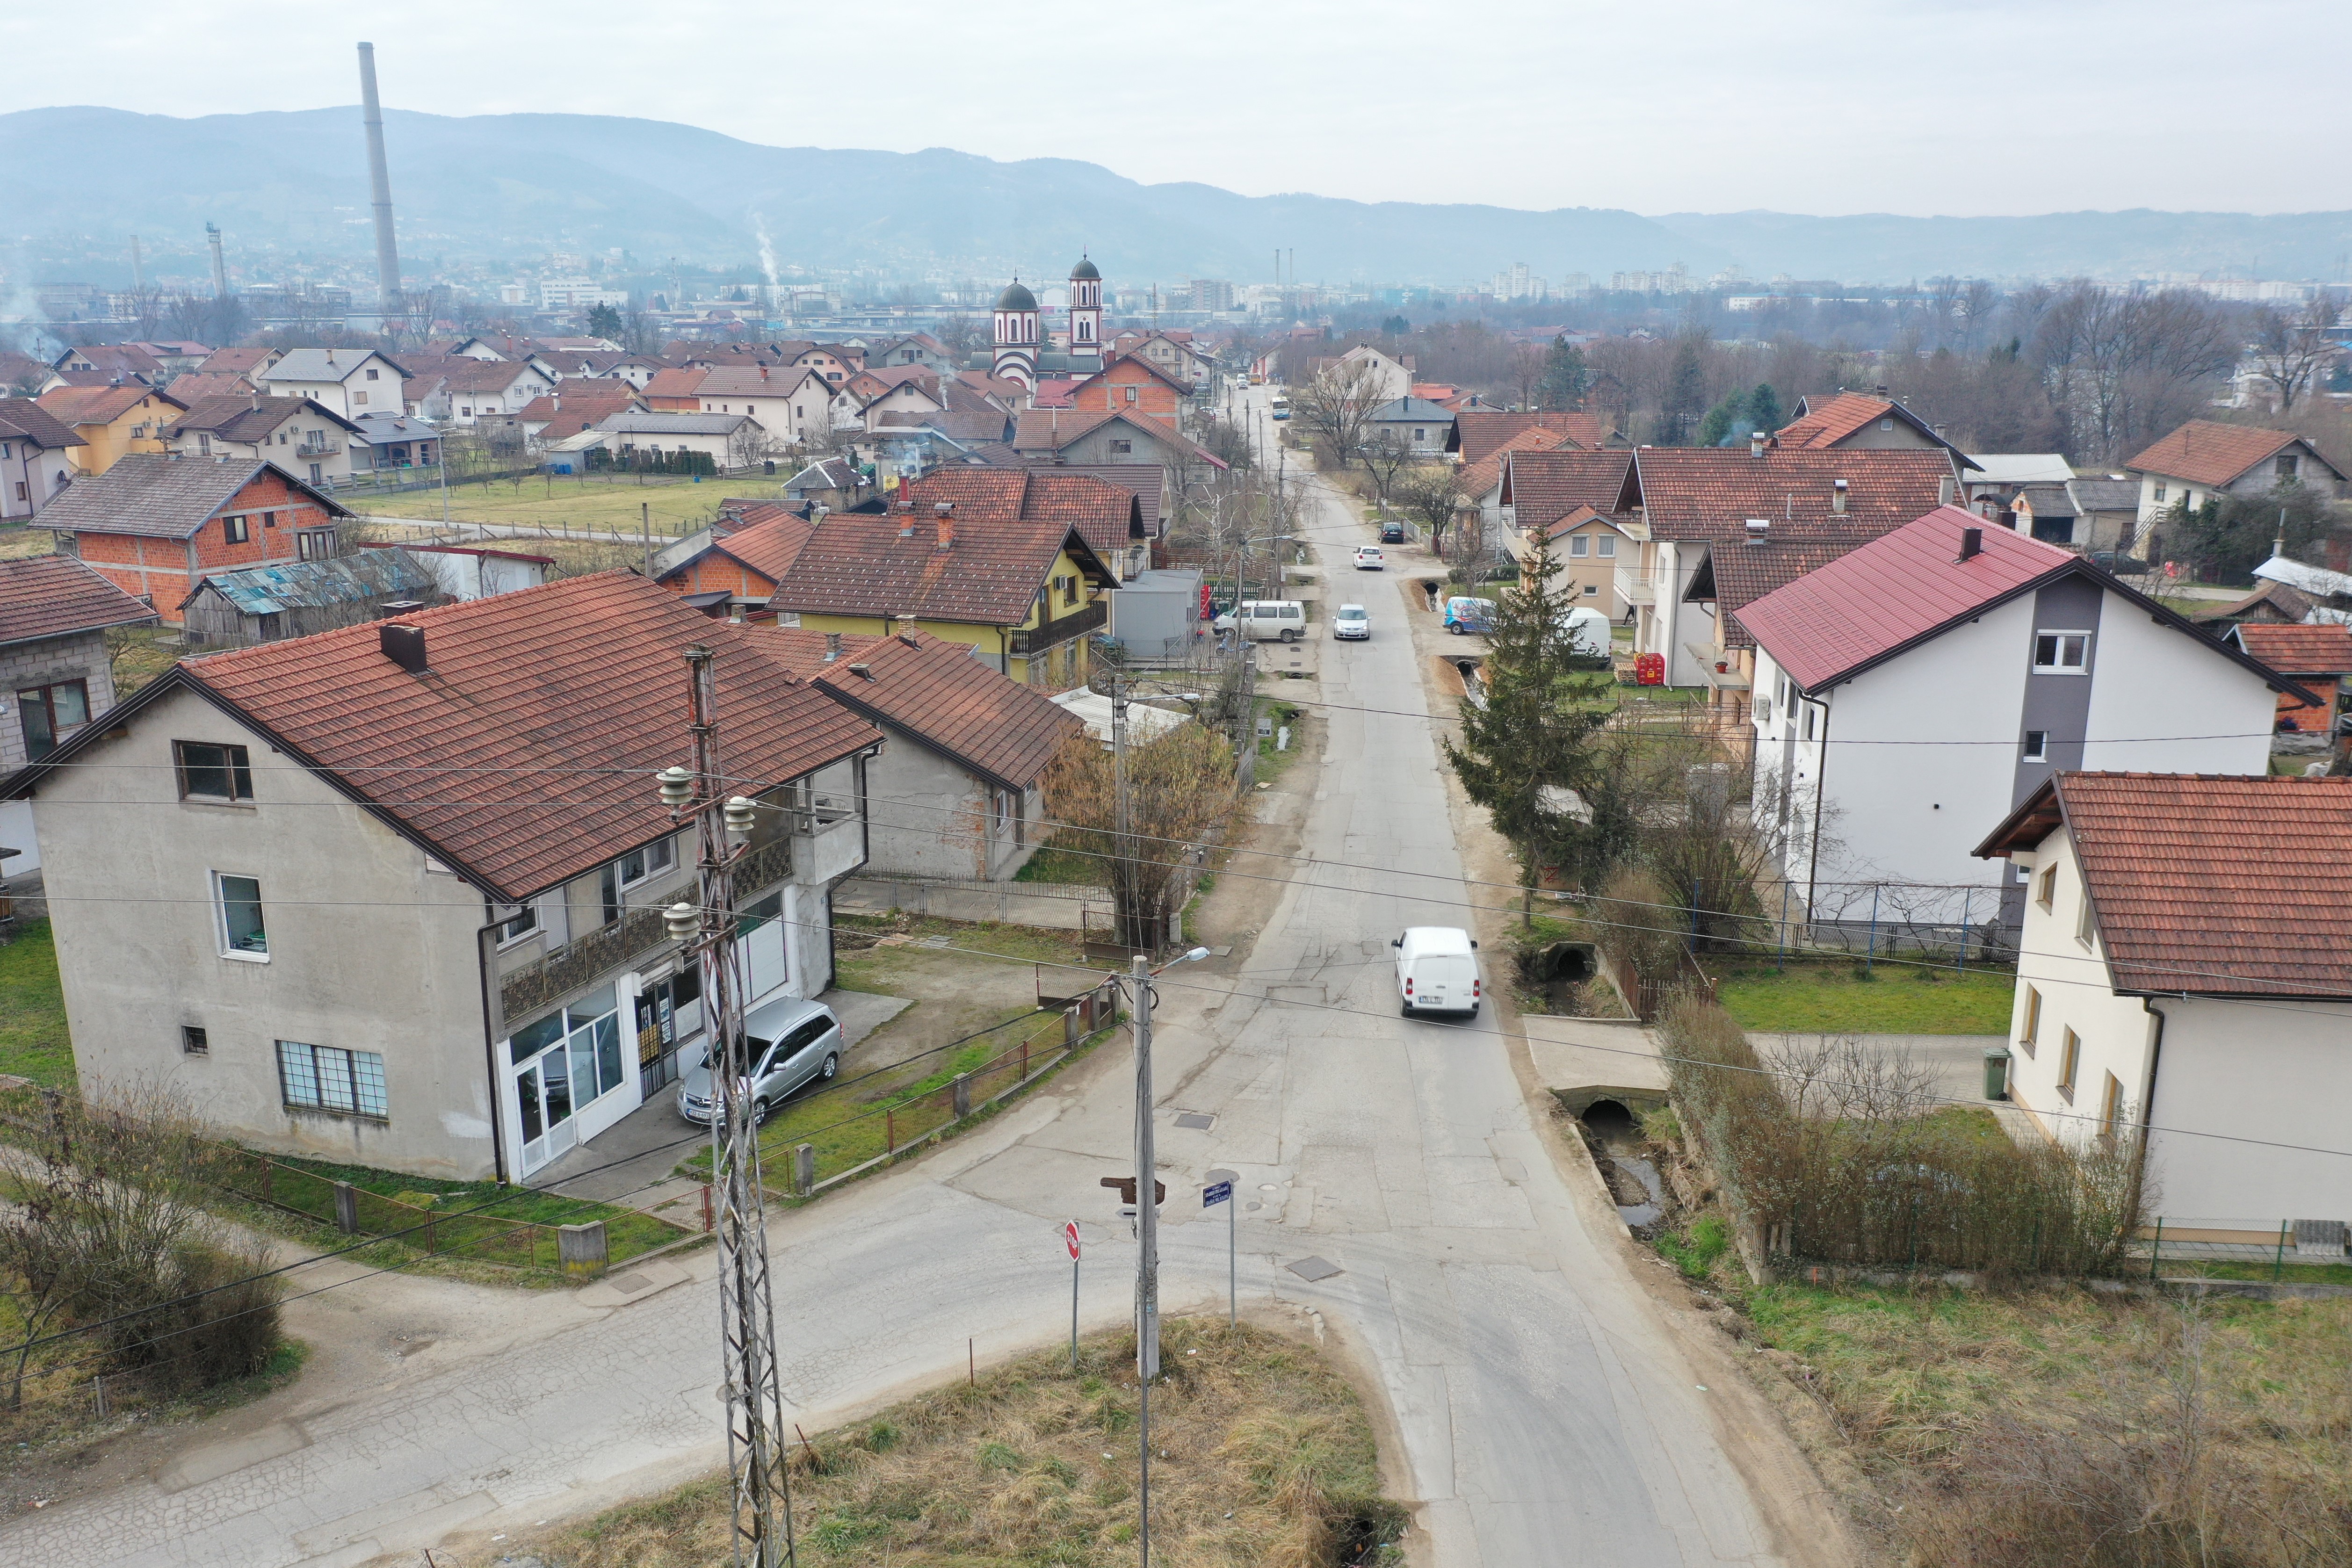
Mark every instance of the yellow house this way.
pixel 112 420
pixel 992 559
pixel 1597 555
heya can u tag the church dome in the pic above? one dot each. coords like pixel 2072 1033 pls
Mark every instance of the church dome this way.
pixel 1084 271
pixel 1016 297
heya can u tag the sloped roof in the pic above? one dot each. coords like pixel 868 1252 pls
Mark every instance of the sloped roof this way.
pixel 1476 478
pixel 1873 596
pixel 2022 468
pixel 1045 430
pixel 194 385
pixel 770 542
pixel 162 497
pixel 1735 576
pixel 746 380
pixel 99 405
pixel 56 595
pixel 2290 602
pixel 1543 487
pixel 231 360
pixel 1144 481
pixel 2204 452
pixel 523 755
pixel 858 563
pixel 1710 492
pixel 309 584
pixel 1477 432
pixel 1412 408
pixel 249 418
pixel 1107 515
pixel 683 381
pixel 636 421
pixel 328 365
pixel 1576 520
pixel 28 420
pixel 2323 650
pixel 2207 886
pixel 458 373
pixel 578 405
pixel 1832 419
pixel 2103 494
pixel 937 692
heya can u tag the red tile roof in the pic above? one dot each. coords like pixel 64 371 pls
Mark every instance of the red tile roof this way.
pixel 769 541
pixel 54 595
pixel 1543 487
pixel 2203 452
pixel 193 385
pixel 937 692
pixel 1002 552
pixel 2207 885
pixel 679 383
pixel 1710 492
pixel 578 405
pixel 1107 515
pixel 523 755
pixel 1475 479
pixel 2325 650
pixel 101 406
pixel 1479 433
pixel 1835 420
pixel 233 361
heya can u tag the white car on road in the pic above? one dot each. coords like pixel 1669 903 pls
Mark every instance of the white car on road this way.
pixel 1368 558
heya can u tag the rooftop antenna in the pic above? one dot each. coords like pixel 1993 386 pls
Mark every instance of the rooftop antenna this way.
pixel 387 253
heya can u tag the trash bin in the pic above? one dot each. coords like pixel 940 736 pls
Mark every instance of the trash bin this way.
pixel 1996 1073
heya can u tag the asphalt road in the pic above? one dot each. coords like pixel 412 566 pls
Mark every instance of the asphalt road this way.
pixel 1545 1417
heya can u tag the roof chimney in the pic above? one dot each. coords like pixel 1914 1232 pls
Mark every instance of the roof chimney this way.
pixel 1944 491
pixel 832 646
pixel 1755 443
pixel 946 516
pixel 404 644
pixel 394 608
pixel 1759 529
pixel 1971 543
pixel 1837 496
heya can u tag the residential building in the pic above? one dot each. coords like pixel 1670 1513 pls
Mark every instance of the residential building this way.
pixel 469 392
pixel 1480 483
pixel 1133 384
pixel 921 348
pixel 112 420
pixel 2317 658
pixel 1392 376
pixel 296 433
pixel 346 381
pixel 1592 554
pixel 475 571
pixel 356 939
pixel 118 362
pixel 1415 425
pixel 244 362
pixel 387 442
pixel 2001 475
pixel 1539 484
pixel 197 385
pixel 956 791
pixel 1479 433
pixel 1174 352
pixel 1915 684
pixel 155 527
pixel 1092 440
pixel 2182 979
pixel 836 483
pixel 575 406
pixel 295 599
pixel 729 440
pixel 55 673
pixel 1855 422
pixel 994 559
pixel 792 403
pixel 736 563
pixel 36 458
pixel 2205 460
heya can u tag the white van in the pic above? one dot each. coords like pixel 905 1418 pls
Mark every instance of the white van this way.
pixel 1588 633
pixel 1266 619
pixel 1437 970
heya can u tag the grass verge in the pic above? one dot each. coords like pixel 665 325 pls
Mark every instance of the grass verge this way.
pixel 33 1039
pixel 1840 998
pixel 1261 1455
pixel 677 505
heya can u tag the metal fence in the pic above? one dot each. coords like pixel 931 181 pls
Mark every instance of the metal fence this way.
pixel 1961 925
pixel 2264 1248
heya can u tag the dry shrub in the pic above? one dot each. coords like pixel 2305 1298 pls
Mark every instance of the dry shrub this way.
pixel 1831 1150
pixel 1638 926
pixel 1269 1463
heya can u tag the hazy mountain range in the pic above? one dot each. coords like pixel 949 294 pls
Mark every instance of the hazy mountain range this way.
pixel 75 183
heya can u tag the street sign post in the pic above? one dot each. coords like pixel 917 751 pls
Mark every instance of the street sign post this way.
pixel 1070 1240
pixel 1221 1190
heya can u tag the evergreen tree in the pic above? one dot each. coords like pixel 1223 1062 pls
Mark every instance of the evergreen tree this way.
pixel 1726 423
pixel 1763 412
pixel 1565 377
pixel 1532 737
pixel 1686 395
pixel 604 322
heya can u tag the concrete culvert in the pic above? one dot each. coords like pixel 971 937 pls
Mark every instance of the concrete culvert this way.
pixel 1608 1119
pixel 1558 961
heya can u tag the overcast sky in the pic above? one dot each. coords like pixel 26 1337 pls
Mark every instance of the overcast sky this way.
pixel 1964 107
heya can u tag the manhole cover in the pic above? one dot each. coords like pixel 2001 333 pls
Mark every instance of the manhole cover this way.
pixel 627 1283
pixel 1194 1119
pixel 1315 1269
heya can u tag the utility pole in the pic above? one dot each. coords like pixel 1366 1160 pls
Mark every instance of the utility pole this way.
pixel 1146 1235
pixel 747 1318
pixel 1122 867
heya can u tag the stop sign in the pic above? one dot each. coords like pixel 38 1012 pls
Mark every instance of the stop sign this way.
pixel 1070 1239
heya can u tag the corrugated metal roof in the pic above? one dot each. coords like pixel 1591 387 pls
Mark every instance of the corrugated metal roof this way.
pixel 306 584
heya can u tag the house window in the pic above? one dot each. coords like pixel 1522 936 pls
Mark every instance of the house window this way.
pixel 1885 424
pixel 359 398
pixel 1809 721
pixel 212 772
pixel 1579 544
pixel 2031 1034
pixel 236 908
pixel 325 1077
pixel 2111 1108
pixel 1132 392
pixel 238 529
pixel 2037 746
pixel 656 858
pixel 521 923
pixel 2070 1056
pixel 2046 896
pixel 1591 590
pixel 2083 923
pixel 2060 653
pixel 372 376
pixel 2286 467
pixel 1069 588
pixel 1606 547
pixel 315 544
pixel 2159 492
pixel 47 712
pixel 194 1041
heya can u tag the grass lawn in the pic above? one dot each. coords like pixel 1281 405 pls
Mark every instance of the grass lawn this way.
pixel 1271 763
pixel 2020 1427
pixel 1835 998
pixel 1269 1459
pixel 16 543
pixel 1066 867
pixel 33 1039
pixel 677 506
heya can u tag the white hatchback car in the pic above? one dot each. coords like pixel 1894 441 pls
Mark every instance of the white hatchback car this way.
pixel 1368 558
pixel 1352 622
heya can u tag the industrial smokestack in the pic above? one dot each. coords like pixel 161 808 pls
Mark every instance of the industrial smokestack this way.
pixel 220 268
pixel 387 253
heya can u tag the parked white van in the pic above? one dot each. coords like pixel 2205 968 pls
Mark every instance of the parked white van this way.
pixel 1266 619
pixel 1588 633
pixel 1437 970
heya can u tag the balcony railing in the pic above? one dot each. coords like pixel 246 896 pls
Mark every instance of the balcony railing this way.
pixel 1061 629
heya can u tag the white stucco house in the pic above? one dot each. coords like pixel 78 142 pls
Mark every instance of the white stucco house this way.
pixel 349 382
pixel 2206 460
pixel 1923 684
pixel 2185 981
pixel 392 893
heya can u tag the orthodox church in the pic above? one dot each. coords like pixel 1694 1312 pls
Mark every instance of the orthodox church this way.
pixel 1025 355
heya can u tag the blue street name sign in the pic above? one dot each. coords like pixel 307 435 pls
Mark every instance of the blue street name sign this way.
pixel 1223 1192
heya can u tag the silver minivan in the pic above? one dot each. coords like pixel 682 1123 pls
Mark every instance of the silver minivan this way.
pixel 791 1042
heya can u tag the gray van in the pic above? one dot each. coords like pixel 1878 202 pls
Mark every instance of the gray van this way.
pixel 789 1041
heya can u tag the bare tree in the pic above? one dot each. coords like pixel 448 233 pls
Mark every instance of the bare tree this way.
pixel 1430 497
pixel 2288 350
pixel 1527 362
pixel 1339 403
pixel 1387 455
pixel 749 443
pixel 1180 788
